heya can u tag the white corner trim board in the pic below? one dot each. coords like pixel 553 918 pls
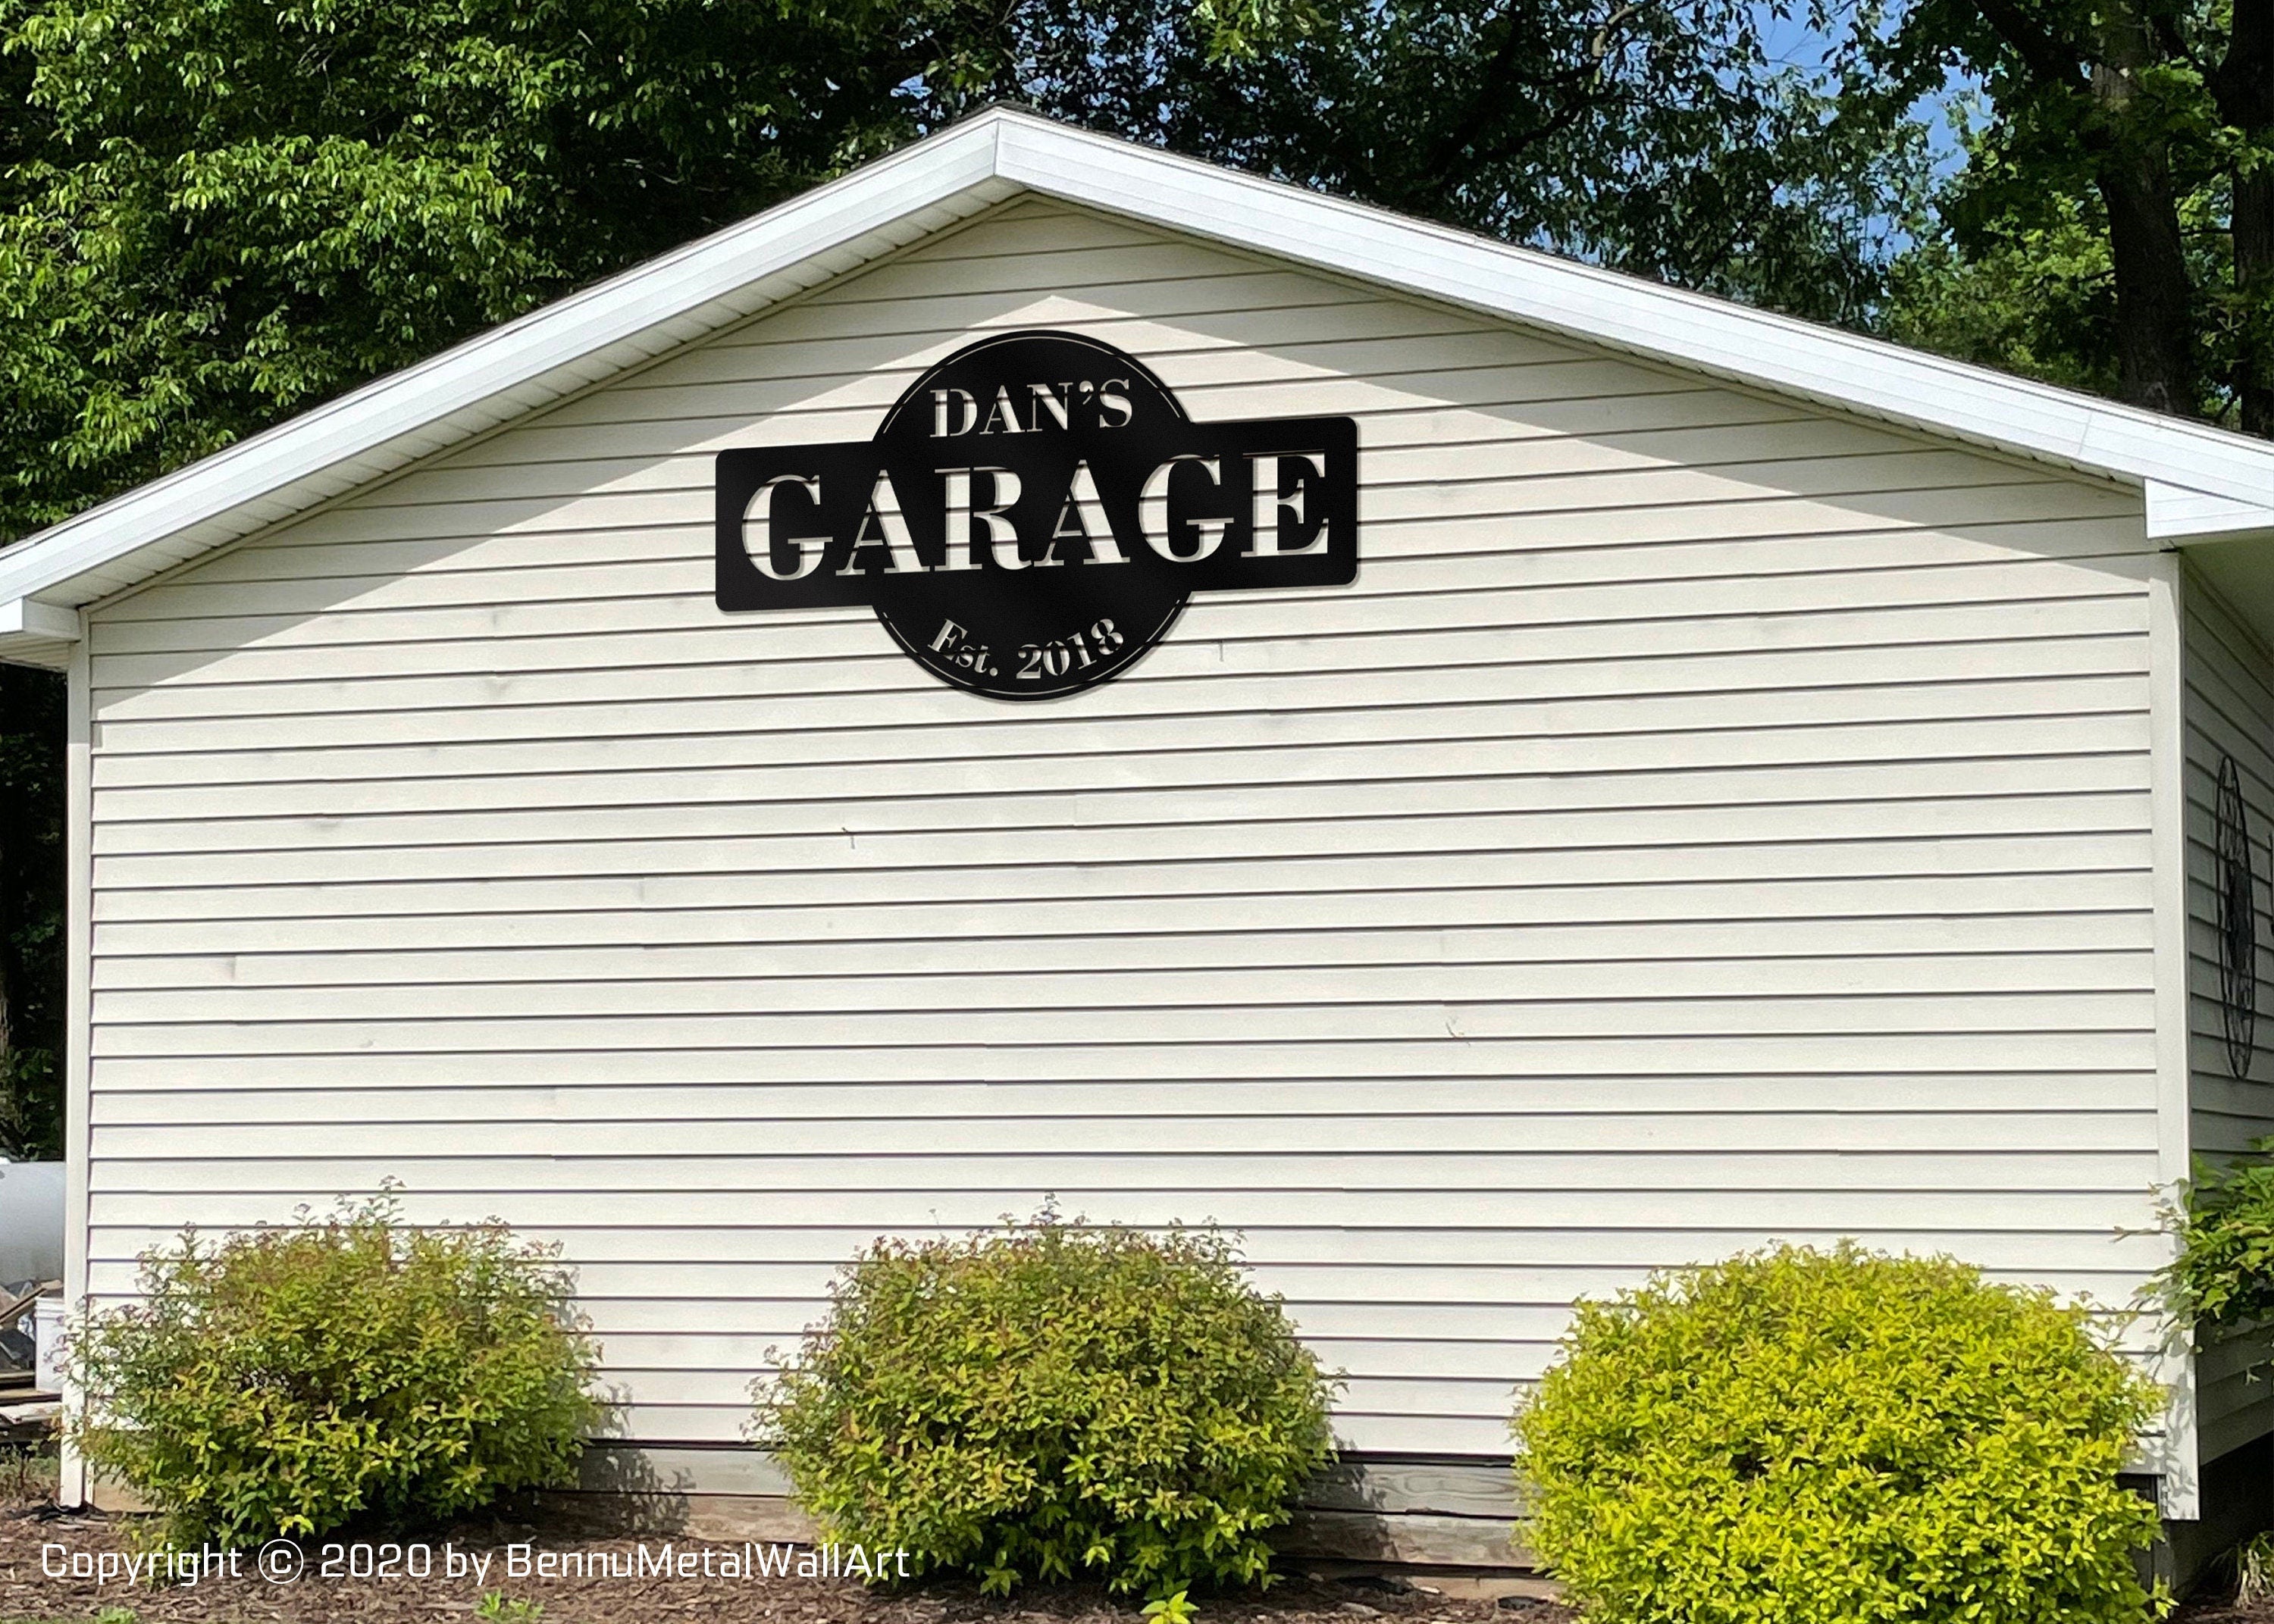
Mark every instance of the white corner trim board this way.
pixel 2200 482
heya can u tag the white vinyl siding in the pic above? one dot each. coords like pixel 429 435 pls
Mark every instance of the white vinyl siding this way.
pixel 2230 705
pixel 1705 820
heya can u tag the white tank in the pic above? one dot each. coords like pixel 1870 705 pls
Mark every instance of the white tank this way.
pixel 31 1221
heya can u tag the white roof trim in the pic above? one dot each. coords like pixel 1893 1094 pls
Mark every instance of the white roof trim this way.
pixel 30 617
pixel 2200 482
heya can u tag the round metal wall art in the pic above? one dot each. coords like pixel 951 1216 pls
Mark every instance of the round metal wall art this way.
pixel 1033 513
pixel 2238 922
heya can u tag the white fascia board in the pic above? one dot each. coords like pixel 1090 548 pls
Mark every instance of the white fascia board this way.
pixel 1645 319
pixel 515 361
pixel 29 616
pixel 33 633
pixel 2180 516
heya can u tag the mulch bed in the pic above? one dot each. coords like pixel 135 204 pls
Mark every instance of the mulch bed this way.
pixel 631 1597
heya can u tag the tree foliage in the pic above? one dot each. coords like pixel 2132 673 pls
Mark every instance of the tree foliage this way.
pixel 1656 138
pixel 2035 300
pixel 220 211
pixel 2114 224
pixel 2222 1273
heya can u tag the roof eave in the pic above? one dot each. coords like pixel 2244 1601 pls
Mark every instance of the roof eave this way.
pixel 35 632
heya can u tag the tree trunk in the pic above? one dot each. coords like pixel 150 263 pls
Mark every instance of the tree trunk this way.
pixel 2155 352
pixel 2155 329
pixel 2244 89
pixel 2254 285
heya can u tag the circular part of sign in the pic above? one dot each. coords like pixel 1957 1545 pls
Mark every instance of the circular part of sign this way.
pixel 1058 432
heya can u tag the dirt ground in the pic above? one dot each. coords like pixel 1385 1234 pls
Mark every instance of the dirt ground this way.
pixel 38 1547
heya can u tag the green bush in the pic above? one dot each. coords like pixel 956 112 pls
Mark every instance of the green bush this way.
pixel 1051 1400
pixel 2222 1273
pixel 286 1380
pixel 1797 1437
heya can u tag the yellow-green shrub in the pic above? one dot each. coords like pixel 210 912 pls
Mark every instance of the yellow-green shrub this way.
pixel 1799 1437
pixel 1051 1400
pixel 286 1380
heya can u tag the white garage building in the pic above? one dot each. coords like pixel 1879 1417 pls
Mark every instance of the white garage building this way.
pixel 1635 777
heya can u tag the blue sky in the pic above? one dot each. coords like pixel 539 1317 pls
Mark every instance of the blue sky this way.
pixel 1790 40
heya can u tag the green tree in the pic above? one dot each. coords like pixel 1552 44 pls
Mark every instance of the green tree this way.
pixel 219 212
pixel 2035 299
pixel 2113 226
pixel 1661 139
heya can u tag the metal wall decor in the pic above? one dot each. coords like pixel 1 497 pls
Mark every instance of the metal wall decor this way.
pixel 2238 922
pixel 1033 513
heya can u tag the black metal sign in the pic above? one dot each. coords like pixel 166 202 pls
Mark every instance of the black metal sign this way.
pixel 1033 513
